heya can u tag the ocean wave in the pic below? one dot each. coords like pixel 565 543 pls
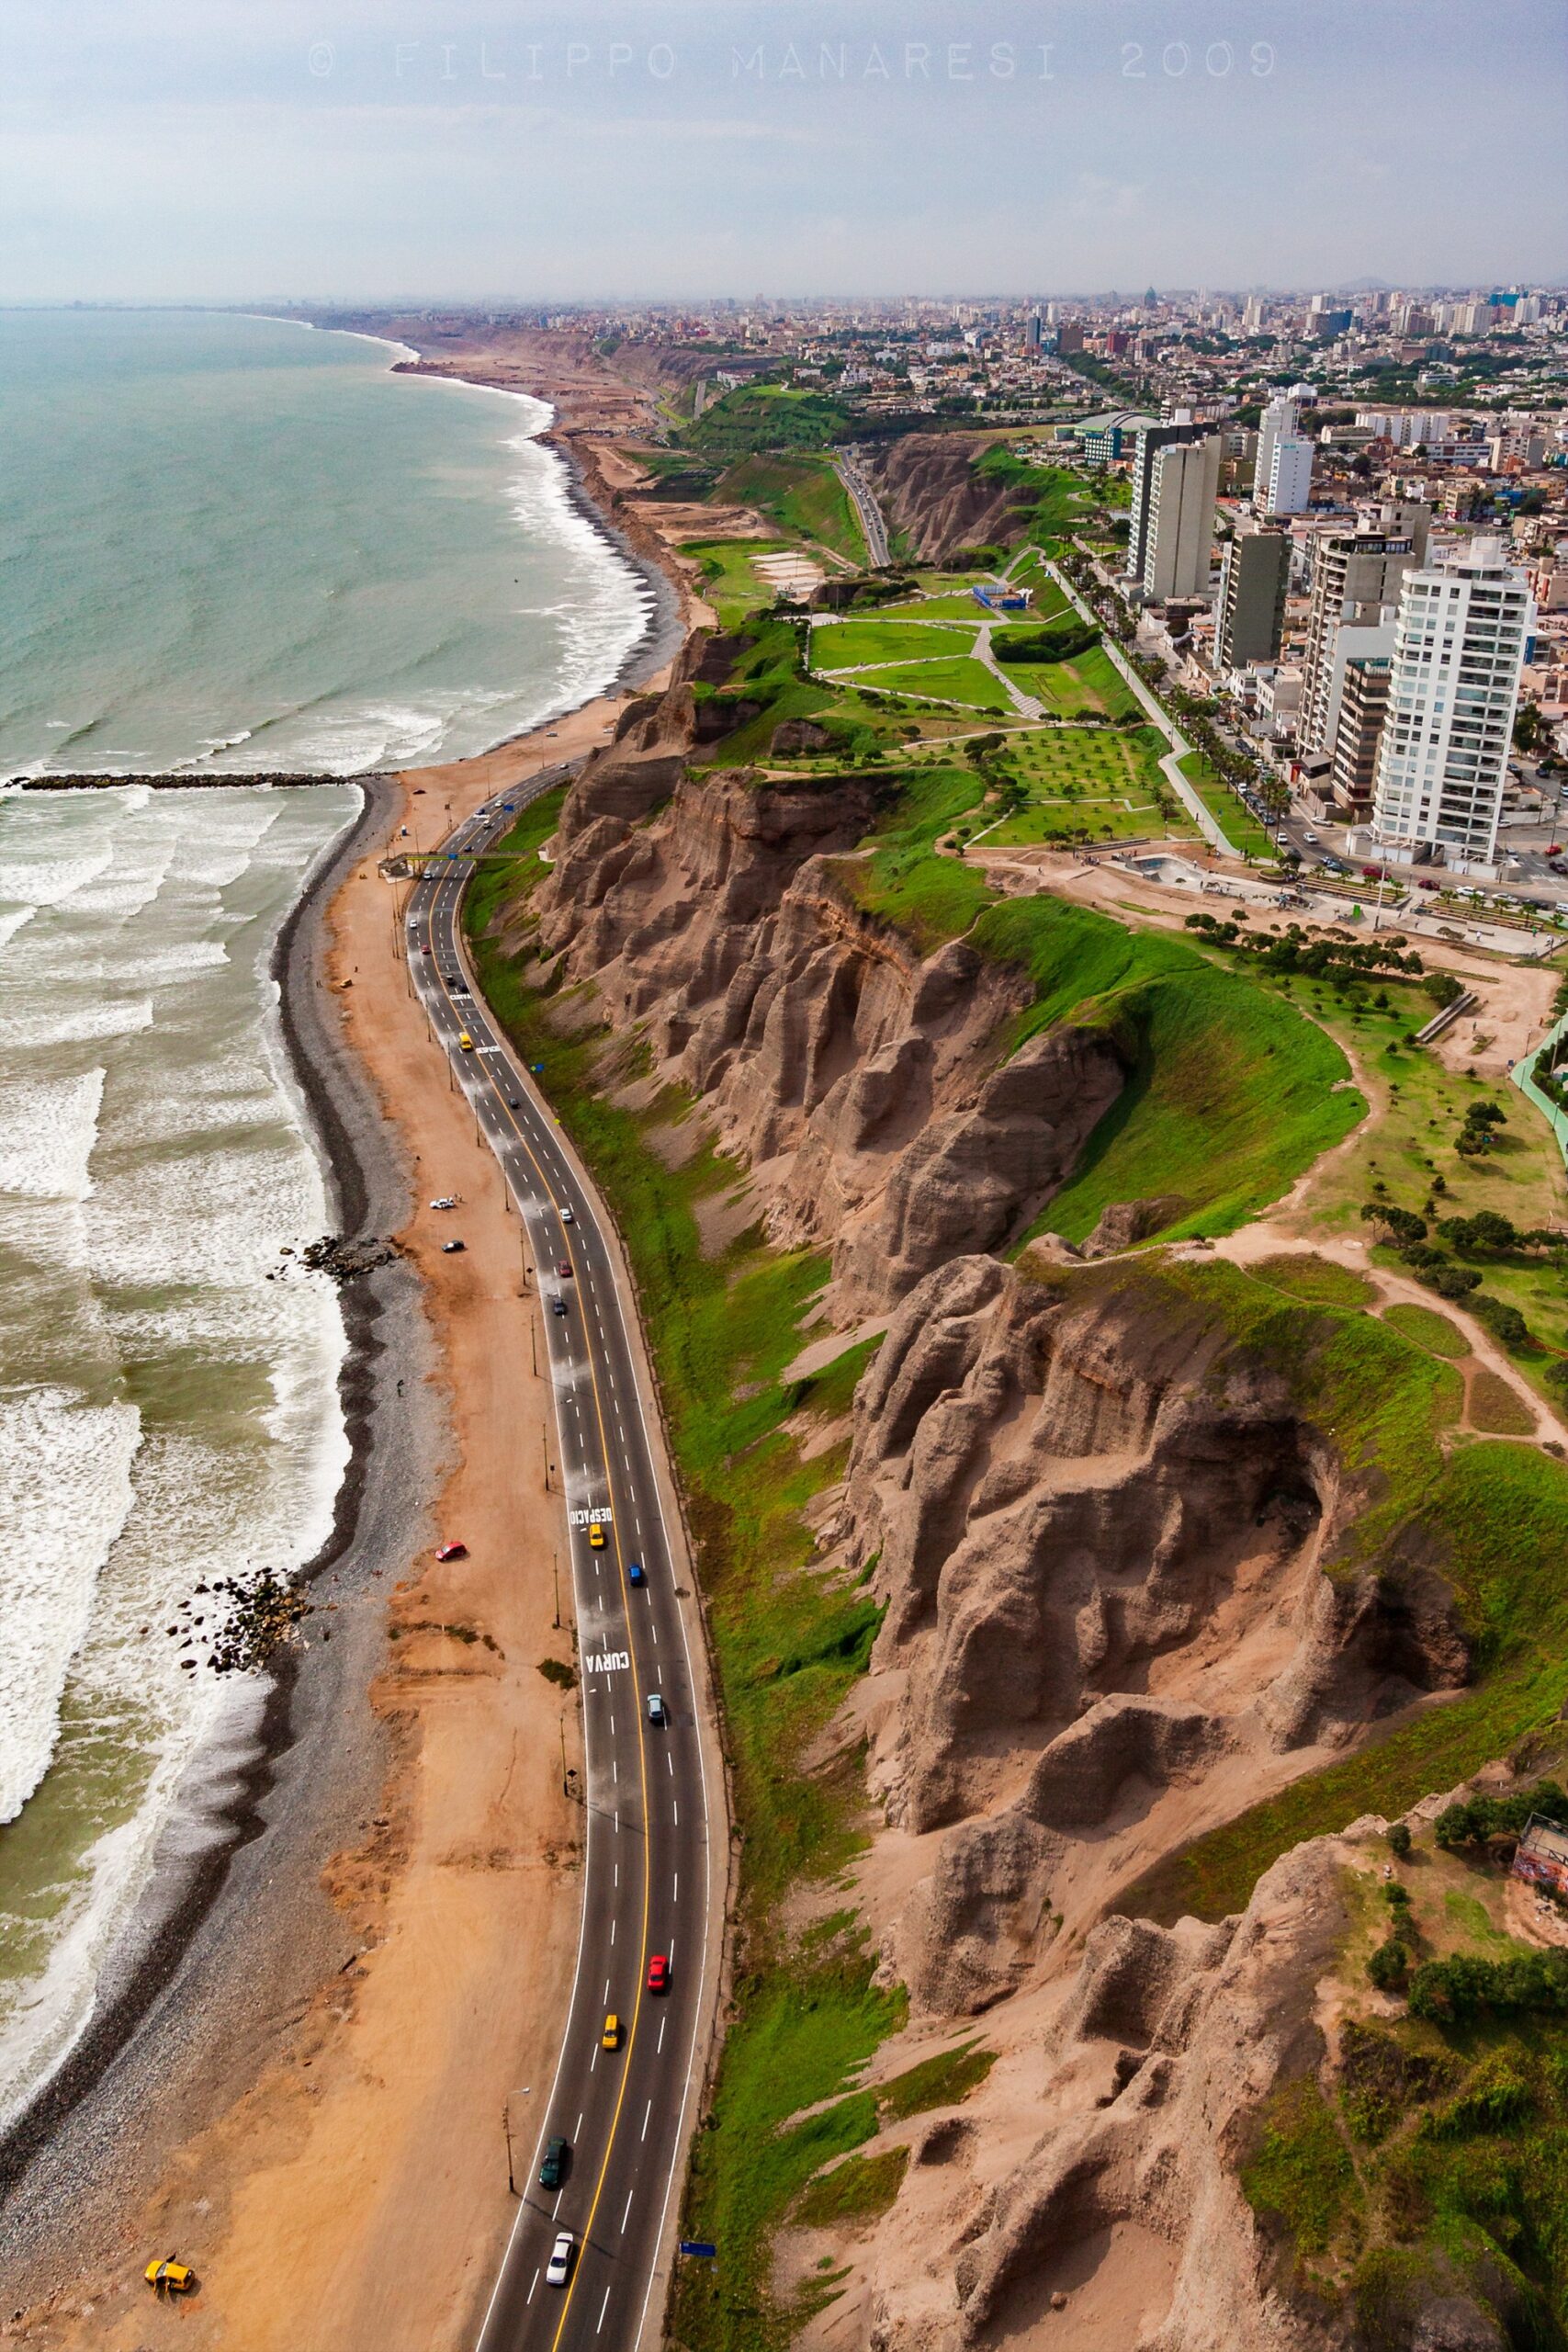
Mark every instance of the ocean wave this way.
pixel 48 1128
pixel 65 1479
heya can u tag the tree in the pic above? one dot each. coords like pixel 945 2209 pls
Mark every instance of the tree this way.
pixel 1402 1226
pixel 1399 1838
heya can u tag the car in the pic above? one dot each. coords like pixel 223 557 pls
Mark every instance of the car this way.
pixel 452 1552
pixel 567 1217
pixel 169 2277
pixel 597 1537
pixel 612 2037
pixel 635 1573
pixel 451 979
pixel 1310 837
pixel 445 1201
pixel 558 1304
pixel 461 988
pixel 658 1973
pixel 564 1270
pixel 558 2270
pixel 658 1713
pixel 465 1041
pixel 511 1102
pixel 453 1249
pixel 558 2156
pixel 425 949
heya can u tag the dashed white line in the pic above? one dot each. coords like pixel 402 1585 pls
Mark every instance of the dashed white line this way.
pixel 603 2309
pixel 625 2217
pixel 646 2113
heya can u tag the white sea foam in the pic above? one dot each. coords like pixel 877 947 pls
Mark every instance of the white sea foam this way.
pixel 48 1127
pixel 65 1475
pixel 150 1167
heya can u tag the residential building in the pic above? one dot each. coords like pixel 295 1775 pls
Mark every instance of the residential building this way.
pixel 1255 570
pixel 1288 489
pixel 1147 448
pixel 1278 418
pixel 1458 650
pixel 1185 482
pixel 1363 706
pixel 1355 578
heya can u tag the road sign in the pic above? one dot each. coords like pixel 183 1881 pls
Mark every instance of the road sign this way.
pixel 700 2247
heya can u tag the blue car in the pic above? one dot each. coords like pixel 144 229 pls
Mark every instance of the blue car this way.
pixel 635 1573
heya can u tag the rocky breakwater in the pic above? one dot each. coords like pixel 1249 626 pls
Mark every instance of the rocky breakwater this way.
pixel 877 1095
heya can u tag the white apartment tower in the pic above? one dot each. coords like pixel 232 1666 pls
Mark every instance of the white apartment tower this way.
pixel 1180 528
pixel 1288 490
pixel 1279 417
pixel 1454 688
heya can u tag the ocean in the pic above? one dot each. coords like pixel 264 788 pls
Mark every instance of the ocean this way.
pixel 224 544
pixel 237 544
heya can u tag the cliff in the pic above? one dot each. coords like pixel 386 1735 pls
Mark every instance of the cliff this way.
pixel 930 494
pixel 868 1088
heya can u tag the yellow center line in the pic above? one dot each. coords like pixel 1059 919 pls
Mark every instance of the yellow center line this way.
pixel 626 1611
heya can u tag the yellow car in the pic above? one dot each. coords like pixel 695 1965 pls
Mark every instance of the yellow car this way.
pixel 597 1537
pixel 612 2032
pixel 170 2278
pixel 465 1041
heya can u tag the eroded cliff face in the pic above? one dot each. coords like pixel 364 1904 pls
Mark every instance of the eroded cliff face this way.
pixel 1091 2200
pixel 1098 1525
pixel 930 491
pixel 871 1091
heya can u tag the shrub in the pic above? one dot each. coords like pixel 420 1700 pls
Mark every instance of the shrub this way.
pixel 1399 1837
pixel 1390 1965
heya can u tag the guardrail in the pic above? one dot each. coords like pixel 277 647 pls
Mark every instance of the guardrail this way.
pixel 1522 1075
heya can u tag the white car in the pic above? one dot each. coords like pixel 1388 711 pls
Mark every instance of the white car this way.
pixel 1312 838
pixel 558 2270
pixel 447 1201
pixel 567 1217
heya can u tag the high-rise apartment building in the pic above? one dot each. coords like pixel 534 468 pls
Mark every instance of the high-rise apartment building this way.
pixel 1288 490
pixel 1151 440
pixel 1454 691
pixel 1255 570
pixel 1182 519
pixel 1280 417
pixel 1355 577
pixel 1363 706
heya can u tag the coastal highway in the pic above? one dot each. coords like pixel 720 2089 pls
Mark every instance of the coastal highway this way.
pixel 648 1862
pixel 847 466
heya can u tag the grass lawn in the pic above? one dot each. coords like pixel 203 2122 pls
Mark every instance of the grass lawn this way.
pixel 730 584
pixel 957 607
pixel 963 681
pixel 1236 820
pixel 802 494
pixel 1232 1094
pixel 1086 779
pixel 1086 683
pixel 853 644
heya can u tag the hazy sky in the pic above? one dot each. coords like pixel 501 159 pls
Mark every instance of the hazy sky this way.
pixel 380 149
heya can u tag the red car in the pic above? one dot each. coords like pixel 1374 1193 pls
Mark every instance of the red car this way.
pixel 453 1552
pixel 659 1974
pixel 564 1270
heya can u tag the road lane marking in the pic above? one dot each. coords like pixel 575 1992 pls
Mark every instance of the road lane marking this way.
pixel 603 2309
pixel 626 2215
pixel 648 2110
pixel 663 2023
pixel 529 2296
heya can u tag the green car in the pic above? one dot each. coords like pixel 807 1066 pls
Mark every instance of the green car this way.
pixel 552 2172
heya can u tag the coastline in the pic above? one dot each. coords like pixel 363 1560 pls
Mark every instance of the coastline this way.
pixel 115 2126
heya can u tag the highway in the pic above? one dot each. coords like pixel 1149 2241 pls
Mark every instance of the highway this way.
pixel 847 468
pixel 647 1867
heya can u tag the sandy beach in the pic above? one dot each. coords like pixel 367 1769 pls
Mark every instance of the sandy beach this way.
pixel 307 2091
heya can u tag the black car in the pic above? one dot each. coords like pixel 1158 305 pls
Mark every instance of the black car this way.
pixel 558 1304
pixel 557 2155
pixel 451 1249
